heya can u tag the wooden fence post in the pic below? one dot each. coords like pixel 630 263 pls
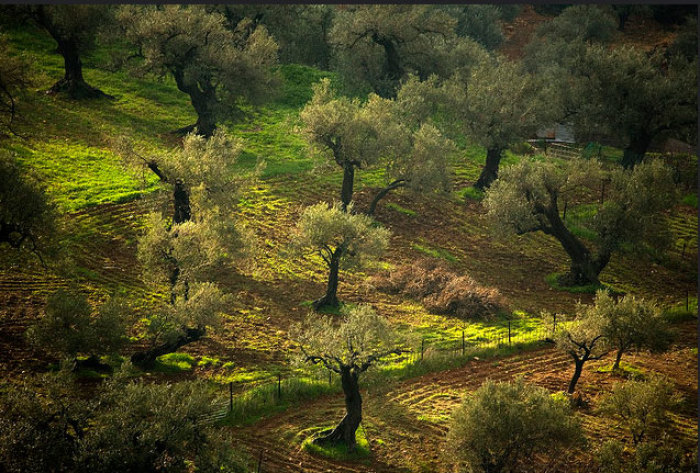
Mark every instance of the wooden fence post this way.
pixel 260 458
pixel 422 344
pixel 230 396
pixel 509 333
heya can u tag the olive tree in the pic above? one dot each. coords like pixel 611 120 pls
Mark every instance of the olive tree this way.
pixel 360 340
pixel 632 323
pixel 502 425
pixel 641 406
pixel 379 45
pixel 583 340
pixel 396 134
pixel 301 30
pixel 14 78
pixel 75 29
pixel 215 66
pixel 341 239
pixel 481 22
pixel 527 197
pixel 46 424
pixel 497 105
pixel 634 97
pixel 181 250
pixel 27 216
pixel 71 327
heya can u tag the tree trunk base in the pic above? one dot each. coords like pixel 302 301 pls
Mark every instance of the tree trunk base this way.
pixel 92 363
pixel 572 279
pixel 325 302
pixel 147 359
pixel 337 436
pixel 77 90
pixel 206 132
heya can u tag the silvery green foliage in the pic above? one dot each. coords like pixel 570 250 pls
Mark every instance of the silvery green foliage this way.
pixel 323 230
pixel 194 46
pixel 396 134
pixel 559 42
pixel 583 336
pixel 642 407
pixel 632 322
pixel 517 201
pixel 184 257
pixel 70 326
pixel 201 308
pixel 502 425
pixel 358 340
pixel 630 95
pixel 379 45
pixel 498 103
pixel 125 425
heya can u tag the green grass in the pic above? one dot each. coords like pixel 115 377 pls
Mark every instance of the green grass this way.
pixel 471 193
pixel 682 312
pixel 691 200
pixel 263 400
pixel 626 370
pixel 174 363
pixel 553 280
pixel 401 210
pixel 440 253
pixel 340 451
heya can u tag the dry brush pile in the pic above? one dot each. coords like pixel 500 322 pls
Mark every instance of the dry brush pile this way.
pixel 442 291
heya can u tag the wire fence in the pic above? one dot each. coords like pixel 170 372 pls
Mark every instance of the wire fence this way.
pixel 274 395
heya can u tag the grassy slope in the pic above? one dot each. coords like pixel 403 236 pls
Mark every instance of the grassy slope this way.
pixel 71 153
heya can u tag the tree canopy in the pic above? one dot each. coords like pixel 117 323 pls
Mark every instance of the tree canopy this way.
pixel 26 213
pixel 216 66
pixel 349 348
pixel 626 94
pixel 501 425
pixel 342 239
pixel 182 250
pixel 498 104
pixel 379 45
pixel 527 197
pixel 632 322
pixel 583 340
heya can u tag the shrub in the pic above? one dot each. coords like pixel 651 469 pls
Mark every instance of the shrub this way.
pixel 442 291
pixel 641 407
pixel 501 425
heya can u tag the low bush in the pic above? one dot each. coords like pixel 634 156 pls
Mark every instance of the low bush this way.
pixel 442 291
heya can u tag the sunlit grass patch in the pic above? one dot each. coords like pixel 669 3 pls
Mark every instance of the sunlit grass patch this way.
pixel 174 363
pixel 625 370
pixel 402 210
pixel 434 252
pixel 339 451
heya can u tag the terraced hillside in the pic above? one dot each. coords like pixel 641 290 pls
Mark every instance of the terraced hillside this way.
pixel 103 205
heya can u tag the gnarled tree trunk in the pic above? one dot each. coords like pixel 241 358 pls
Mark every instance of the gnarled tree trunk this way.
pixel 203 97
pixel 635 151
pixel 330 299
pixel 73 82
pixel 146 359
pixel 578 368
pixel 618 357
pixel 344 432
pixel 383 193
pixel 584 267
pixel 490 171
pixel 348 184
